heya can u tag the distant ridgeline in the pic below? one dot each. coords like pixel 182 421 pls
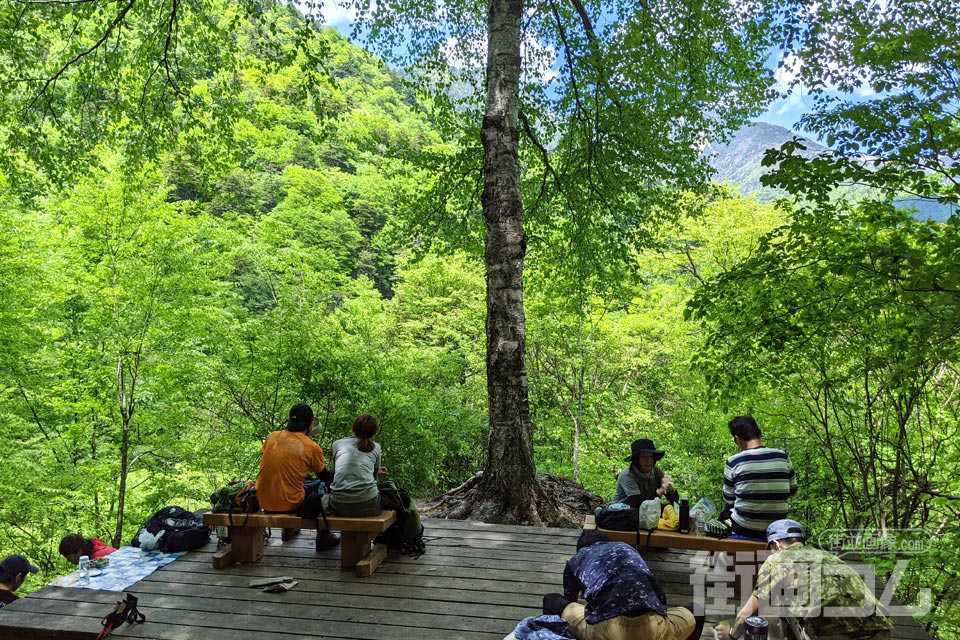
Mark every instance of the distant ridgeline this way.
pixel 738 163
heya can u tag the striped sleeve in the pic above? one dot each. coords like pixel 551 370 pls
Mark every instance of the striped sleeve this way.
pixel 728 483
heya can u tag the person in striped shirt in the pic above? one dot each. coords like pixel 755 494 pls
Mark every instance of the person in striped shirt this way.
pixel 756 482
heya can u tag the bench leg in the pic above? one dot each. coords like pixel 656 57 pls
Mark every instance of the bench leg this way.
pixel 223 558
pixel 371 561
pixel 354 545
pixel 246 544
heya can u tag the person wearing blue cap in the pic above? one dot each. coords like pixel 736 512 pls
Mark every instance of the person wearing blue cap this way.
pixel 824 595
pixel 13 571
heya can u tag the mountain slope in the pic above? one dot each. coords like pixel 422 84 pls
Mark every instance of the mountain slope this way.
pixel 738 162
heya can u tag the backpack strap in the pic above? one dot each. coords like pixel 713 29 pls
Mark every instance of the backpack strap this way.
pixel 633 473
pixel 230 515
pixel 323 513
pixel 396 491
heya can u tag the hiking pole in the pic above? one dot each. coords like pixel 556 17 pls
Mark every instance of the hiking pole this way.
pixel 125 611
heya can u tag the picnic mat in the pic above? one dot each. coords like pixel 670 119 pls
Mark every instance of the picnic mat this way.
pixel 128 565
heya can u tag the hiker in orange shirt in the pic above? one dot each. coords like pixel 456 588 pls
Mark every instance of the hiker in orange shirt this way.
pixel 287 456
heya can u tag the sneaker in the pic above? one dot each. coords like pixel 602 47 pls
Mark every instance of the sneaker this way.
pixel 289 534
pixel 327 540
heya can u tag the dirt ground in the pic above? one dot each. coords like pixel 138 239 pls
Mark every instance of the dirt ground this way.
pixel 566 502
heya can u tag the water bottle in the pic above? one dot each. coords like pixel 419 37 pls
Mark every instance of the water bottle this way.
pixel 684 516
pixel 756 628
pixel 701 523
pixel 83 567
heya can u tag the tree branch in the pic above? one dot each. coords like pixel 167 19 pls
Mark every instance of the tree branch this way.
pixel 106 34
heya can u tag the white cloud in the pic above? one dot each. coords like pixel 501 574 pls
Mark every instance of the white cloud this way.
pixel 538 60
pixel 465 53
pixel 786 72
pixel 334 13
pixel 471 53
pixel 791 103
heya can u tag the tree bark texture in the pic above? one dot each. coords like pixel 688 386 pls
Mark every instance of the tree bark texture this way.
pixel 509 487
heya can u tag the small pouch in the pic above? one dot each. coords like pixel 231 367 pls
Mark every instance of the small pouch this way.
pixel 718 528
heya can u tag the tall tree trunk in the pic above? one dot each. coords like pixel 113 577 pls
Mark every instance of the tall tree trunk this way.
pixel 509 491
pixel 125 403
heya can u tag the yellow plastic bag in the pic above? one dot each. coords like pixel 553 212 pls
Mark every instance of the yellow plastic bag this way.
pixel 669 520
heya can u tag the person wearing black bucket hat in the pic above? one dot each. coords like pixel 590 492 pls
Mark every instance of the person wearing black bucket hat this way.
pixel 643 479
pixel 13 571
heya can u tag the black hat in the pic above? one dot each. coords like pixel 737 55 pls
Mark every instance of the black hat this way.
pixel 12 566
pixel 644 445
pixel 301 415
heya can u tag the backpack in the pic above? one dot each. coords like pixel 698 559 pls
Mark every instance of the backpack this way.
pixel 617 517
pixel 312 505
pixel 236 497
pixel 175 529
pixel 406 534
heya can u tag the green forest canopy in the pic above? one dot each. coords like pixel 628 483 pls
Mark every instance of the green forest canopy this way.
pixel 162 305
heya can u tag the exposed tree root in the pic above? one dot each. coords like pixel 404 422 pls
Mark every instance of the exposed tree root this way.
pixel 560 503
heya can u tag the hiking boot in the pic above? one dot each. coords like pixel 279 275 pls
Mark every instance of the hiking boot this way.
pixel 289 534
pixel 327 540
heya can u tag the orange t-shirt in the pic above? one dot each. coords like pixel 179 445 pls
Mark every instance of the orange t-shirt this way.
pixel 285 459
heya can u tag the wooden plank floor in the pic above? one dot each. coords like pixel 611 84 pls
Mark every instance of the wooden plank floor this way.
pixel 475 582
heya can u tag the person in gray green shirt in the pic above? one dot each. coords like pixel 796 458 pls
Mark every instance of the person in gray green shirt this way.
pixel 826 597
pixel 356 465
pixel 643 479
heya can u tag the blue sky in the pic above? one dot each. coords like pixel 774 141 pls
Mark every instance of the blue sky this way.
pixel 784 112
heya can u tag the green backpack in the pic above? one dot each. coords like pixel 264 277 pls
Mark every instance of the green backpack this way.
pixel 406 534
pixel 236 497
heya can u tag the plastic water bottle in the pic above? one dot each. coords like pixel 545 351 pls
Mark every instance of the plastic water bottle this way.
pixel 701 523
pixel 83 567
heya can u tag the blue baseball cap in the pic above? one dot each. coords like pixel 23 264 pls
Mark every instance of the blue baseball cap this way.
pixel 14 565
pixel 784 530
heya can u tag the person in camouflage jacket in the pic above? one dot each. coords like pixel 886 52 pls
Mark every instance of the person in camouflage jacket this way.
pixel 827 597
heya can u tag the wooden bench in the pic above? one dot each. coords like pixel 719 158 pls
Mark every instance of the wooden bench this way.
pixel 660 539
pixel 743 553
pixel 246 537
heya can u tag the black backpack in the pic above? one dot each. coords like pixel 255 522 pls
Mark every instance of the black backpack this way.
pixel 618 517
pixel 406 534
pixel 182 530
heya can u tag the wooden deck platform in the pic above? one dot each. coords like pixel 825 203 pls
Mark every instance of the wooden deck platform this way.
pixel 475 582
